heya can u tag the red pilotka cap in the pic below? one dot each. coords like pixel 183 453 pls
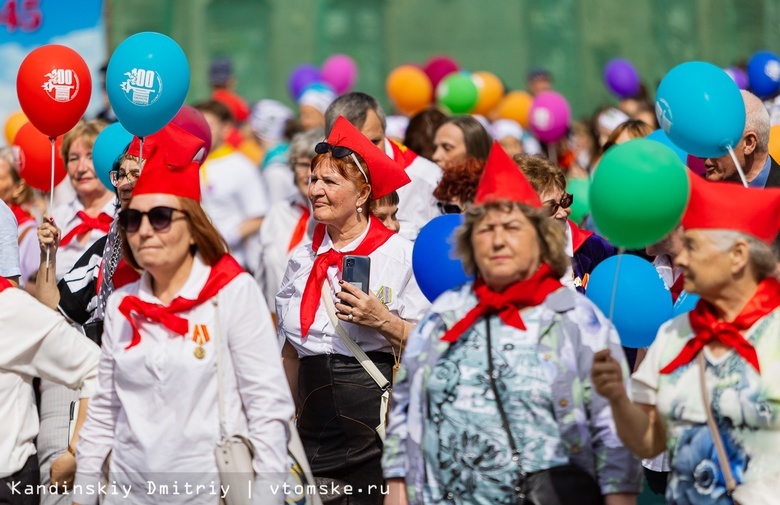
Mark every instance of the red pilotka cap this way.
pixel 169 169
pixel 730 206
pixel 502 180
pixel 386 174
pixel 182 146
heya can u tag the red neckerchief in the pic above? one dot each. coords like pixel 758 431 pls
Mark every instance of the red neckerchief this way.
pixel 578 236
pixel 528 293
pixel 300 227
pixel 5 284
pixel 677 287
pixel 377 235
pixel 87 224
pixel 707 328
pixel 21 215
pixel 224 271
pixel 402 154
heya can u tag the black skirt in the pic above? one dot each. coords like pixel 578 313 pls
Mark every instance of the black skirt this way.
pixel 337 422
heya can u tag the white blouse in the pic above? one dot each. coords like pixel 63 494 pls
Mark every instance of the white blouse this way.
pixel 391 279
pixel 156 405
pixel 66 219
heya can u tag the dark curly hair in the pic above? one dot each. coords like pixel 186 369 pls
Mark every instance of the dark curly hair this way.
pixel 459 181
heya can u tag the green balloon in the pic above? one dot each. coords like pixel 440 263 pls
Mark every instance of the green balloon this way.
pixel 639 193
pixel 458 93
pixel 580 207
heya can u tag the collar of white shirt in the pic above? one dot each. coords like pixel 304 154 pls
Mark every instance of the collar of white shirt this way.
pixel 327 243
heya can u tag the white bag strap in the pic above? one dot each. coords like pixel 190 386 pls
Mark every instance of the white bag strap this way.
pixel 220 386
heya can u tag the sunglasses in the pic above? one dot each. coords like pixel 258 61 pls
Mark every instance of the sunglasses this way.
pixel 552 206
pixel 160 218
pixel 340 152
pixel 449 208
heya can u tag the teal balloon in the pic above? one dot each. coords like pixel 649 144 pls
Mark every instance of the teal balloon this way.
pixel 108 147
pixel 660 136
pixel 147 80
pixel 458 93
pixel 580 207
pixel 685 303
pixel 701 109
pixel 638 193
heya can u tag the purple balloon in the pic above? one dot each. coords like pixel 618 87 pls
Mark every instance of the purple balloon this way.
pixel 739 76
pixel 192 120
pixel 302 77
pixel 550 116
pixel 621 77
pixel 340 71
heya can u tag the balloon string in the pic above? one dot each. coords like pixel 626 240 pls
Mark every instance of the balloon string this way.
pixel 51 204
pixel 613 296
pixel 140 154
pixel 739 167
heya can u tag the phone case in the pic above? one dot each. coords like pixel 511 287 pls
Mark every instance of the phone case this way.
pixel 356 270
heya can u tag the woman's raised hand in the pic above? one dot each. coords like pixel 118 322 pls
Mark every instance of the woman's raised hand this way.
pixel 48 235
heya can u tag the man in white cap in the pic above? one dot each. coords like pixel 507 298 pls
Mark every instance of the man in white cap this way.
pixel 312 104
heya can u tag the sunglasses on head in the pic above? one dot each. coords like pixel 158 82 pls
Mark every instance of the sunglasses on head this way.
pixel 160 218
pixel 565 202
pixel 340 152
pixel 449 208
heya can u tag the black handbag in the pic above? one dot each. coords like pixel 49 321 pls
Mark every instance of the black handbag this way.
pixel 561 485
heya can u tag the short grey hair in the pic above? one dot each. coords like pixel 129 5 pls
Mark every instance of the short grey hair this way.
pixel 302 144
pixel 353 106
pixel 762 256
pixel 757 120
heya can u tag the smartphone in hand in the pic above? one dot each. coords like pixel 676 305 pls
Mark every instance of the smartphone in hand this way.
pixel 356 270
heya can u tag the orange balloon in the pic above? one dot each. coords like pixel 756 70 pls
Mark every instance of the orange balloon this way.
pixel 12 125
pixel 409 88
pixel 774 142
pixel 490 90
pixel 516 105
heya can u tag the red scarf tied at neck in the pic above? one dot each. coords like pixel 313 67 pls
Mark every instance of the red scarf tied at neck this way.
pixel 377 235
pixel 707 328
pixel 224 271
pixel 87 224
pixel 21 215
pixel 528 293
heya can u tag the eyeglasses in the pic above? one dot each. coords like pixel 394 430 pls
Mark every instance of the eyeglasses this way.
pixel 160 218
pixel 116 176
pixel 565 202
pixel 340 152
pixel 449 208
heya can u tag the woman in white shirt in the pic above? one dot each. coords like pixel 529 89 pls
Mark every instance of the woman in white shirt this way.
pixel 339 402
pixel 193 314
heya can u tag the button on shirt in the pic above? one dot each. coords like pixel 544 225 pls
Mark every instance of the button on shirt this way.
pixel 391 279
pixel 156 407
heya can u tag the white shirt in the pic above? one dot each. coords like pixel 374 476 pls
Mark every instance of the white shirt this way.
pixel 35 341
pixel 9 245
pixel 66 219
pixel 156 406
pixel 568 277
pixel 232 191
pixel 391 279
pixel 666 270
pixel 417 205
pixel 280 181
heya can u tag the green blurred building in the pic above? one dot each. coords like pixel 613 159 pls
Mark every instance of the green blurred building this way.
pixel 573 39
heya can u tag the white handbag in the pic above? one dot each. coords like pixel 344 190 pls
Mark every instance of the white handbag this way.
pixel 235 453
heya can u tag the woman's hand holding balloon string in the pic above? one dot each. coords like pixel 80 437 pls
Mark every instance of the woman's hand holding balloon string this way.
pixel 355 306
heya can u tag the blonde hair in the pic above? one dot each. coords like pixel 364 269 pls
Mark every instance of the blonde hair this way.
pixel 85 130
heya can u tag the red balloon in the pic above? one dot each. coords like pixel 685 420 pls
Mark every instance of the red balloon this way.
pixel 192 121
pixel 54 87
pixel 33 156
pixel 440 67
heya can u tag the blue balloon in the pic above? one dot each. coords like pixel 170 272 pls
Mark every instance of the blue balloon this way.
pixel 685 303
pixel 642 302
pixel 147 81
pixel 434 263
pixel 763 71
pixel 663 138
pixel 701 109
pixel 109 145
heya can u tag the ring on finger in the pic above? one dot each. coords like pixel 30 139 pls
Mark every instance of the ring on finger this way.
pixel 350 317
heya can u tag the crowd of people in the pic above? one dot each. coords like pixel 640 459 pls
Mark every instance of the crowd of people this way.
pixel 209 297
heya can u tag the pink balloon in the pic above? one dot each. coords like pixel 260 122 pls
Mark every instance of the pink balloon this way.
pixel 340 71
pixel 191 120
pixel 696 165
pixel 440 67
pixel 550 116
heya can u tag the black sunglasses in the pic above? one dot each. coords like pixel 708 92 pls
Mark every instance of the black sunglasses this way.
pixel 449 208
pixel 160 218
pixel 336 151
pixel 566 200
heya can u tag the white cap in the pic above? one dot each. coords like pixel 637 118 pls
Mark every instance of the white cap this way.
pixel 503 128
pixel 612 118
pixel 268 119
pixel 319 98
pixel 396 126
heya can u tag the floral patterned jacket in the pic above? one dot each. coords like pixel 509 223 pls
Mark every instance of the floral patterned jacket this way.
pixel 571 330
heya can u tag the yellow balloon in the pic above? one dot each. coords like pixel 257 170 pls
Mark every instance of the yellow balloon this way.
pixel 409 88
pixel 774 142
pixel 490 90
pixel 12 125
pixel 516 105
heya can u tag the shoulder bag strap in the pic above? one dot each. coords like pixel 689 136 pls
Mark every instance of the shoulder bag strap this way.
pixel 220 386
pixel 720 448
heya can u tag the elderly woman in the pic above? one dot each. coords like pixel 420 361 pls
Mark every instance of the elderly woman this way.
pixel 342 400
pixel 460 137
pixel 458 185
pixel 18 195
pixel 189 355
pixel 493 402
pixel 708 388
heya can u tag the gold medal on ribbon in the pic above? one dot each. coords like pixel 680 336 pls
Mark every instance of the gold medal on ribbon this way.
pixel 200 336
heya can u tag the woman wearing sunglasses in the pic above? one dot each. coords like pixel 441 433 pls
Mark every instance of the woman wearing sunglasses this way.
pixel 194 314
pixel 339 401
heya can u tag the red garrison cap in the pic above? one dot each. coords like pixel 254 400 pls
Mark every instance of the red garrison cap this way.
pixel 503 180
pixel 730 206
pixel 180 146
pixel 386 174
